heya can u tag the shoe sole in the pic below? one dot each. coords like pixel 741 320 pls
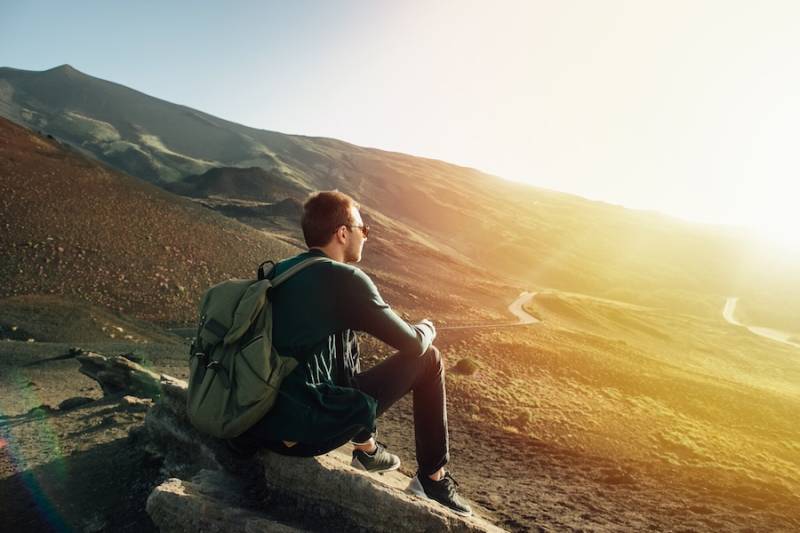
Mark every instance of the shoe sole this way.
pixel 355 463
pixel 415 488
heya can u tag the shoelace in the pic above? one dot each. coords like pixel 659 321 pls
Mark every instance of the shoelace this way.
pixel 448 475
pixel 450 484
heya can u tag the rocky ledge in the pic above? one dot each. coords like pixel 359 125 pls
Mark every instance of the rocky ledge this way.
pixel 213 490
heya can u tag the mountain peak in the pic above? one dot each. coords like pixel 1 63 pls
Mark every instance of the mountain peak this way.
pixel 66 69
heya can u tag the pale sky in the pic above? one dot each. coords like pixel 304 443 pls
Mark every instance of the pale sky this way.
pixel 688 108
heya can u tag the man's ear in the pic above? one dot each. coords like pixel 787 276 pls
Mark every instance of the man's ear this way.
pixel 340 234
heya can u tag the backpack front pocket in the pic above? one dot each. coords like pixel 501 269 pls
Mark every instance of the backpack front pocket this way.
pixel 253 372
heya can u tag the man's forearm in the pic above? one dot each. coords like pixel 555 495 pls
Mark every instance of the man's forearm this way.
pixel 369 313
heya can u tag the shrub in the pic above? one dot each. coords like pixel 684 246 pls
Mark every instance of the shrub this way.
pixel 467 366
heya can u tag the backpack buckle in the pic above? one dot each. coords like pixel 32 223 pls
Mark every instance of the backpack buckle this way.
pixel 262 272
pixel 202 359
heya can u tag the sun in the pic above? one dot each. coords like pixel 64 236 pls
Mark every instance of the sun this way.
pixel 770 212
pixel 779 232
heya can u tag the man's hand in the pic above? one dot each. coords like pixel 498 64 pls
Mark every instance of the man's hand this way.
pixel 428 323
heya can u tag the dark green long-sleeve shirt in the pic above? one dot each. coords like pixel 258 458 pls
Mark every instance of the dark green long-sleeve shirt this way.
pixel 316 313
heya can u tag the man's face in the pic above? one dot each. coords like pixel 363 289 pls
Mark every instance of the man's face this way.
pixel 356 239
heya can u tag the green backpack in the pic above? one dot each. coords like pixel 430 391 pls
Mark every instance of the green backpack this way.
pixel 234 371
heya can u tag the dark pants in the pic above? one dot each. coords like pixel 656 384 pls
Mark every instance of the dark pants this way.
pixel 387 382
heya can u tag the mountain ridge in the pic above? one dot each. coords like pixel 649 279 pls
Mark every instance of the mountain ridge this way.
pixel 533 236
pixel 81 230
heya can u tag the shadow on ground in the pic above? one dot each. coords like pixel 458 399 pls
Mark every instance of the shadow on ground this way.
pixel 101 489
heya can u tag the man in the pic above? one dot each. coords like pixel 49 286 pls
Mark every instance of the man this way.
pixel 327 401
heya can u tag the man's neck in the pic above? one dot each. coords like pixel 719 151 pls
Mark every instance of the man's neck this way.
pixel 336 255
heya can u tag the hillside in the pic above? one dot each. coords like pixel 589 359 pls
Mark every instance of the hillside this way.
pixel 78 229
pixel 253 183
pixel 48 318
pixel 614 417
pixel 535 236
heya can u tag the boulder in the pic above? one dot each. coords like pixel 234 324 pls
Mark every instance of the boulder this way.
pixel 319 490
pixel 209 502
pixel 134 404
pixel 119 375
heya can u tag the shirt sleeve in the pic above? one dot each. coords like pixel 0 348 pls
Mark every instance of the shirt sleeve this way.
pixel 367 312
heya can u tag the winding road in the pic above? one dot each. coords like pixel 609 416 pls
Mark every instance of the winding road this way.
pixel 774 334
pixel 515 308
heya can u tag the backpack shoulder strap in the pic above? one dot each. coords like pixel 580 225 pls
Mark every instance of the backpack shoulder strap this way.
pixel 251 301
pixel 277 280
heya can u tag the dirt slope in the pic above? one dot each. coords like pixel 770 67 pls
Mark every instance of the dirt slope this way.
pixel 73 227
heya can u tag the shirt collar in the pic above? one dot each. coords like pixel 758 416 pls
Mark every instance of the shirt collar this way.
pixel 317 251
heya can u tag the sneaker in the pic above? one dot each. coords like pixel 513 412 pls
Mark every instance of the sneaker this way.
pixel 442 491
pixel 379 461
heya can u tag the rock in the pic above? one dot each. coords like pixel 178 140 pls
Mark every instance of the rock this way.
pixel 72 403
pixel 305 488
pixel 466 366
pixel 119 375
pixel 522 420
pixel 328 486
pixel 211 501
pixel 172 435
pixel 132 403
pixel 130 356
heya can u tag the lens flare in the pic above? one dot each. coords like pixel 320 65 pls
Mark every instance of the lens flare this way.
pixel 47 444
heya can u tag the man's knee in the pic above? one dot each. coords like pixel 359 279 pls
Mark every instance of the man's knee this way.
pixel 434 359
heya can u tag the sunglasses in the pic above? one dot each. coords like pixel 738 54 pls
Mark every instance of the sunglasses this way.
pixel 364 229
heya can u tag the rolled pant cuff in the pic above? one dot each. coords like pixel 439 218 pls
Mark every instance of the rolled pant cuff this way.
pixel 440 464
pixel 363 438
